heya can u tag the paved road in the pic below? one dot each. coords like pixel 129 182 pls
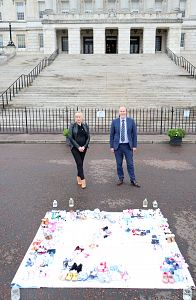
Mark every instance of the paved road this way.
pixel 33 175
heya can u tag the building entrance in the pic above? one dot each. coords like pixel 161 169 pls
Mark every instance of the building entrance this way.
pixel 111 44
pixel 134 44
pixel 64 43
pixel 158 43
pixel 88 45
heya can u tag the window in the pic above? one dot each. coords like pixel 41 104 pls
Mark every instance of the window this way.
pixel 182 42
pixel 65 6
pixel 183 7
pixel 41 40
pixel 41 5
pixel 20 10
pixel 88 6
pixel 158 5
pixel 135 5
pixel 21 41
pixel 1 41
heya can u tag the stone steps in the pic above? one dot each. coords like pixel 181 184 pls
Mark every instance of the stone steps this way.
pixel 107 80
pixel 20 64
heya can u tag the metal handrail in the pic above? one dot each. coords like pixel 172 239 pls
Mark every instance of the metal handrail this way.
pixel 52 57
pixel 24 81
pixel 182 62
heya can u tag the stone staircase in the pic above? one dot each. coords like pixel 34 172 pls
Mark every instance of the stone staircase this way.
pixel 20 64
pixel 137 81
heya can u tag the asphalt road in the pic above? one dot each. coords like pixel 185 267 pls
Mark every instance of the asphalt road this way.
pixel 31 176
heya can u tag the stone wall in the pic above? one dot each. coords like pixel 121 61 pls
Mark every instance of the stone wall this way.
pixel 121 17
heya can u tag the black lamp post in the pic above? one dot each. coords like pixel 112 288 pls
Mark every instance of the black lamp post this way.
pixel 11 43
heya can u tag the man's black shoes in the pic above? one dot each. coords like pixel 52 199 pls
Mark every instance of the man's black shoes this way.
pixel 135 183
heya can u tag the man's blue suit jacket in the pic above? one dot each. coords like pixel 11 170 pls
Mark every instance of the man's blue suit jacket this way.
pixel 115 133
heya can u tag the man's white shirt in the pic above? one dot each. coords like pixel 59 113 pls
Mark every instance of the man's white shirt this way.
pixel 126 137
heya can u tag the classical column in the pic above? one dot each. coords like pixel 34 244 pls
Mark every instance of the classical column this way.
pixel 98 5
pixel 54 5
pixel 149 39
pixel 74 40
pixel 124 5
pixel 173 39
pixel 73 5
pixel 193 8
pixel 142 6
pixel 174 5
pixel 124 40
pixel 50 42
pixel 164 6
pixel 49 4
pixel 188 11
pixel 99 40
pixel 149 5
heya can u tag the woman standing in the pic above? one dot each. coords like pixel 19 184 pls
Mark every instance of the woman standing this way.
pixel 79 138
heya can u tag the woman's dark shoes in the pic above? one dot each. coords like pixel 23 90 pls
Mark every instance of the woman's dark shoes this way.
pixel 135 183
pixel 119 182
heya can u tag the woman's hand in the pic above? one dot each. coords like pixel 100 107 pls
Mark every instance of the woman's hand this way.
pixel 81 149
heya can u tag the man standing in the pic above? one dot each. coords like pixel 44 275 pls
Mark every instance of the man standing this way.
pixel 123 142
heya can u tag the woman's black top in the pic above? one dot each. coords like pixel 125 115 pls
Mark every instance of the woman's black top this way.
pixel 81 137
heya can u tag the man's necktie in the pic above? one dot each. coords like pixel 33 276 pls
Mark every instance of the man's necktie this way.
pixel 123 131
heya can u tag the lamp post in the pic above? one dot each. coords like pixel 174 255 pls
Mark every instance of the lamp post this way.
pixel 11 43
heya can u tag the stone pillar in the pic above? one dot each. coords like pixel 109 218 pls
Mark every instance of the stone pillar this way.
pixel 188 9
pixel 149 40
pixel 49 4
pixel 174 5
pixel 173 39
pixel 50 43
pixel 99 5
pixel 193 8
pixel 74 40
pixel 149 5
pixel 99 40
pixel 73 6
pixel 124 5
pixel 54 4
pixel 124 40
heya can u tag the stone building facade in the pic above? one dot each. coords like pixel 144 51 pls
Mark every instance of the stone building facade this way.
pixel 99 26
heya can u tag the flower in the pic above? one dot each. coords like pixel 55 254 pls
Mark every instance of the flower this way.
pixel 176 132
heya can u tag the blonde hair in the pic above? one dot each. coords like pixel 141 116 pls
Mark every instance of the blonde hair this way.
pixel 78 113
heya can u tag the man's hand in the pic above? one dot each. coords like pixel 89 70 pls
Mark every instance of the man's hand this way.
pixel 112 149
pixel 134 149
